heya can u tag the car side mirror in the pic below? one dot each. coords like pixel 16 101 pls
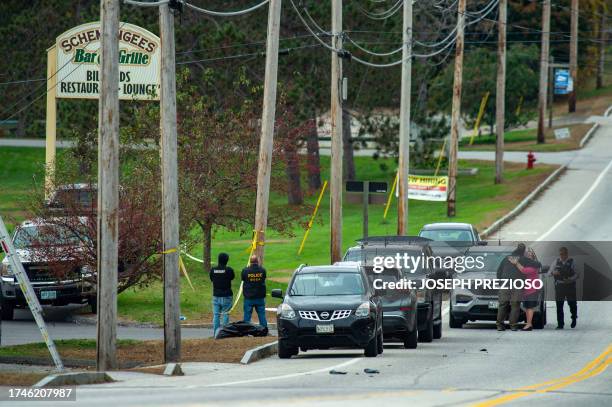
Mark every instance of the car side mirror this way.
pixel 277 293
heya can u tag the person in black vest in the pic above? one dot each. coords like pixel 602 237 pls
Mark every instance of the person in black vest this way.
pixel 254 290
pixel 221 276
pixel 565 275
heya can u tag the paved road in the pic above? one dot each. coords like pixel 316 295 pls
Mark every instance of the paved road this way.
pixel 467 366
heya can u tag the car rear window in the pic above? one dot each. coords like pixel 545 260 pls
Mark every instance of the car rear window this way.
pixel 324 284
pixel 447 235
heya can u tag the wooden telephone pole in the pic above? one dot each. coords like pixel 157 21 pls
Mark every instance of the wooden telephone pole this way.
pixel 500 103
pixel 543 69
pixel 573 62
pixel 335 186
pixel 404 148
pixel 264 167
pixel 170 209
pixel 456 110
pixel 108 187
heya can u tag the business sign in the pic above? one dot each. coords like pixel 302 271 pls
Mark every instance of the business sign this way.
pixel 427 188
pixel 78 63
pixel 562 133
pixel 563 83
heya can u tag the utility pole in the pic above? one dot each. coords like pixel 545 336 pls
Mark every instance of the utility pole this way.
pixel 404 148
pixel 602 46
pixel 456 110
pixel 500 103
pixel 169 189
pixel 264 167
pixel 573 62
pixel 335 187
pixel 108 187
pixel 544 51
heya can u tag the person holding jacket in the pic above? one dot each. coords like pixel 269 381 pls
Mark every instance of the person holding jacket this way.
pixel 221 276
pixel 254 290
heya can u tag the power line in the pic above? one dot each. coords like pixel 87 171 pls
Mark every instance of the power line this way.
pixel 225 13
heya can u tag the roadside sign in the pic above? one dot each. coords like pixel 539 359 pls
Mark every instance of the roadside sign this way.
pixel 563 133
pixel 78 63
pixel 28 292
pixel 427 187
pixel 563 81
pixel 373 186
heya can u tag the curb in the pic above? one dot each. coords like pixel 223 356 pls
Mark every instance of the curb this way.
pixel 592 130
pixel 74 379
pixel 524 203
pixel 260 352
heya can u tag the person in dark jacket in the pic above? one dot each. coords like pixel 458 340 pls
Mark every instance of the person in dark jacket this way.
pixel 221 276
pixel 254 290
pixel 511 298
pixel 565 275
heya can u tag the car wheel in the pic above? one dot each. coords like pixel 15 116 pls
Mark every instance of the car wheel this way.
pixel 380 343
pixel 455 322
pixel 285 351
pixel 7 310
pixel 371 350
pixel 93 303
pixel 410 340
pixel 437 331
pixel 426 335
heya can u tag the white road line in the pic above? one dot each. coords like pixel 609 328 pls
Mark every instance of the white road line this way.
pixel 578 204
pixel 288 376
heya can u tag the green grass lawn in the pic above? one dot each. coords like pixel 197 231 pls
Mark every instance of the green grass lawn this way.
pixel 479 201
pixel 526 140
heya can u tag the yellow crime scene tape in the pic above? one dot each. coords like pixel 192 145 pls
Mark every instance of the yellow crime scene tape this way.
pixel 181 265
pixel 483 105
pixel 390 198
pixel 311 221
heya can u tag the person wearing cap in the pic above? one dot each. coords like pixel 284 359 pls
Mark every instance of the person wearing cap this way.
pixel 221 276
pixel 254 290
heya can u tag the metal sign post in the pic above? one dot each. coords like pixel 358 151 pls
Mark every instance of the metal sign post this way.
pixel 28 292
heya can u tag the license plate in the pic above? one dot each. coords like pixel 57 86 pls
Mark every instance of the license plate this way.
pixel 325 329
pixel 48 295
pixel 493 304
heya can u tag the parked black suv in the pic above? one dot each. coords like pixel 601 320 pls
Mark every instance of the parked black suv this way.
pixel 327 307
pixel 429 302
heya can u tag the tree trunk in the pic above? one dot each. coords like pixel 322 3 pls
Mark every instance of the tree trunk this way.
pixel 207 244
pixel 294 192
pixel 602 48
pixel 349 161
pixel 313 163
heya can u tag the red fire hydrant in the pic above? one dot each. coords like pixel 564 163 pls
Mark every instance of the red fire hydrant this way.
pixel 530 160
